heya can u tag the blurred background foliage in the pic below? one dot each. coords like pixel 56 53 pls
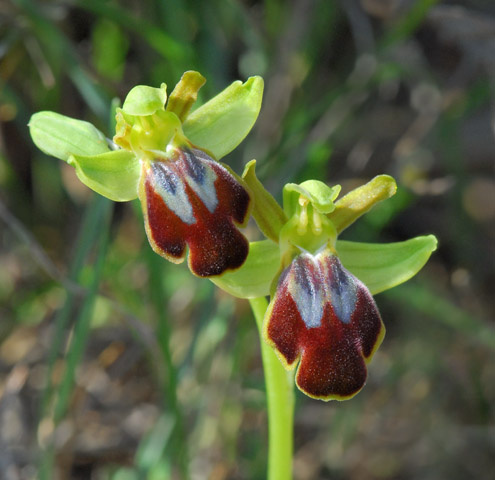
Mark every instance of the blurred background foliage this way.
pixel 117 365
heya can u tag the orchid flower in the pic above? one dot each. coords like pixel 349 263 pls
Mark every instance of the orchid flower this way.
pixel 168 158
pixel 322 317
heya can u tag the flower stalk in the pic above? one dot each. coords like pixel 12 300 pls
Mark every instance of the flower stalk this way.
pixel 280 403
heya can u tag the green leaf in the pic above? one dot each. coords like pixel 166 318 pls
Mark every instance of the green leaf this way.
pixel 125 473
pixel 143 100
pixel 222 123
pixel 381 266
pixel 114 174
pixel 254 278
pixel 160 470
pixel 360 200
pixel 427 300
pixel 61 136
pixel 109 47
pixel 152 446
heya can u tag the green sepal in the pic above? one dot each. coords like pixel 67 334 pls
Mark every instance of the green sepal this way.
pixel 381 266
pixel 255 276
pixel 114 174
pixel 144 100
pixel 223 122
pixel 61 136
pixel 360 200
pixel 185 93
pixel 378 266
pixel 268 214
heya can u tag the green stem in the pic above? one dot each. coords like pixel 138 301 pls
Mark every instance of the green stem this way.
pixel 280 402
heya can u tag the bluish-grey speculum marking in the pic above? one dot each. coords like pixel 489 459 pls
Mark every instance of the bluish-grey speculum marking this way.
pixel 201 177
pixel 164 177
pixel 343 291
pixel 170 187
pixel 195 169
pixel 306 288
pixel 315 280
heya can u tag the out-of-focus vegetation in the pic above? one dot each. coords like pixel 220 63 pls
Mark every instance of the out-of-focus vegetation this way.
pixel 91 319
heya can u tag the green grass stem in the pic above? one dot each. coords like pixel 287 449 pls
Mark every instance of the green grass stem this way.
pixel 169 384
pixel 95 223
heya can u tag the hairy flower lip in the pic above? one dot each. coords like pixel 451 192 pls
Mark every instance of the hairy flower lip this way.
pixel 190 200
pixel 324 320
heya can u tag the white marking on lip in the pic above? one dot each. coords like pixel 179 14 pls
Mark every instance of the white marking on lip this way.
pixel 169 185
pixel 205 189
pixel 306 288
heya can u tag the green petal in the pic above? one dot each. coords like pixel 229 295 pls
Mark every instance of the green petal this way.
pixel 144 100
pixel 360 200
pixel 385 265
pixel 114 175
pixel 254 278
pixel 185 93
pixel 61 136
pixel 222 123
